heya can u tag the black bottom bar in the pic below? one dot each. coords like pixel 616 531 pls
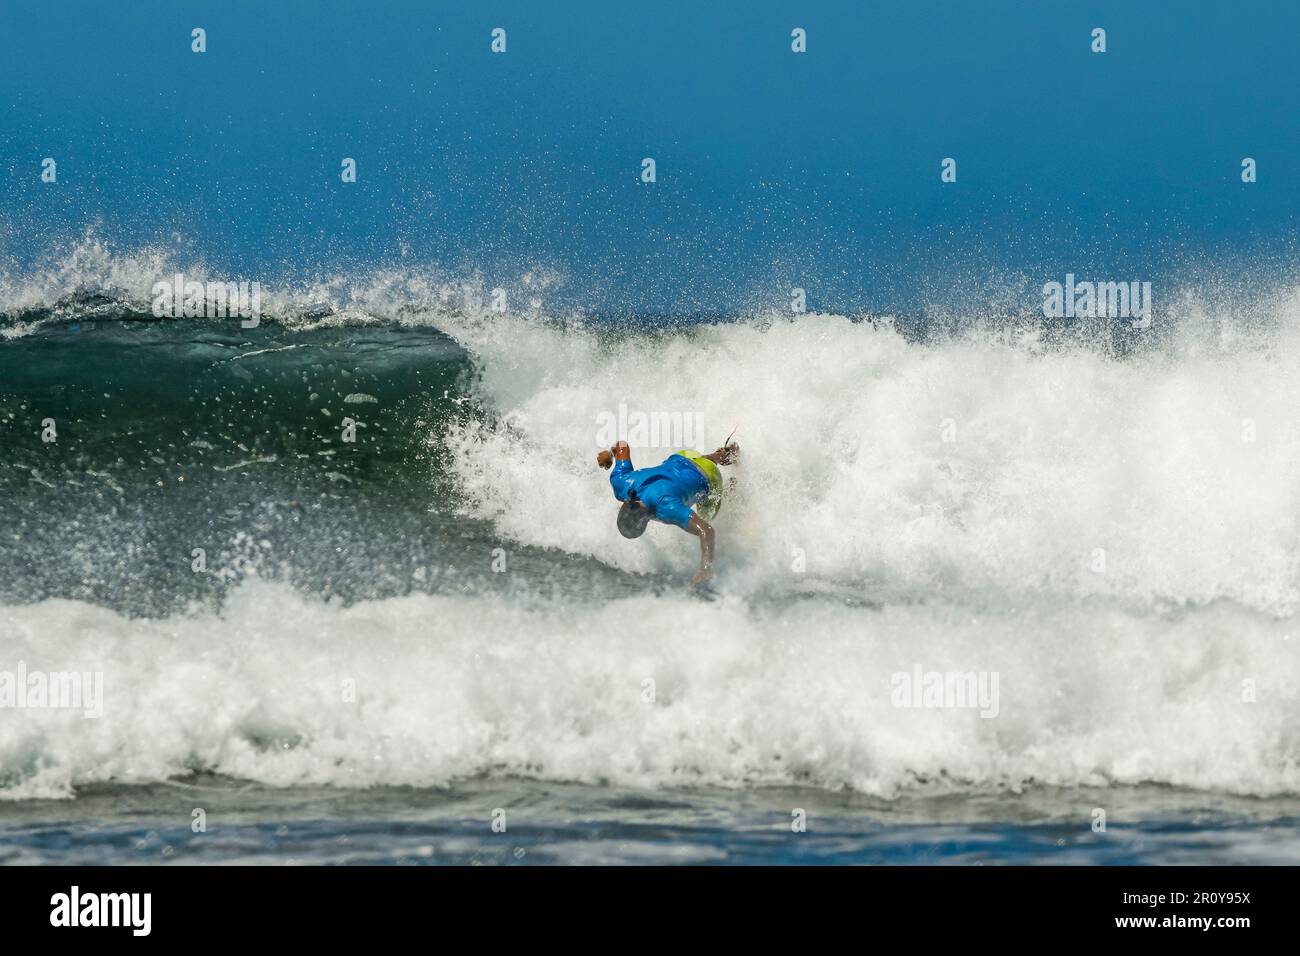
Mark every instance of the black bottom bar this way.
pixel 337 905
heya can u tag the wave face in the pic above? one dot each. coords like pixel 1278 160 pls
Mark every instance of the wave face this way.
pixel 1111 536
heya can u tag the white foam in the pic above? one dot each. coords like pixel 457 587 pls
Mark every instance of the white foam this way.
pixel 1057 455
pixel 449 687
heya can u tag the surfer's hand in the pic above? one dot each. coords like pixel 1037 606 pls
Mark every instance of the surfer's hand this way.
pixel 728 453
pixel 604 458
pixel 701 576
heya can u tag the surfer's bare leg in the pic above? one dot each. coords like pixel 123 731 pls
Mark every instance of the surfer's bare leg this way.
pixel 704 531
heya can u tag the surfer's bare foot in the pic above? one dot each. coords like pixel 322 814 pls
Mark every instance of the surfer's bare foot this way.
pixel 725 455
pixel 702 575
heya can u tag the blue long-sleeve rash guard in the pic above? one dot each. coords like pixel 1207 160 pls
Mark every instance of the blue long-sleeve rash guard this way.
pixel 670 490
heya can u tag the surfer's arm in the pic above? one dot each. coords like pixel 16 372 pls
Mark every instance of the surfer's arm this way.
pixel 620 479
pixel 620 452
pixel 704 531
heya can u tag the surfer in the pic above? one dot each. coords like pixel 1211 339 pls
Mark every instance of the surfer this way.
pixel 668 492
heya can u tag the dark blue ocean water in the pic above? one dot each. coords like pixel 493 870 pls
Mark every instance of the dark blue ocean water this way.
pixel 774 169
pixel 549 824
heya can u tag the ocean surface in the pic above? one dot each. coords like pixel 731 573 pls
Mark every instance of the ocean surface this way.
pixel 392 642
